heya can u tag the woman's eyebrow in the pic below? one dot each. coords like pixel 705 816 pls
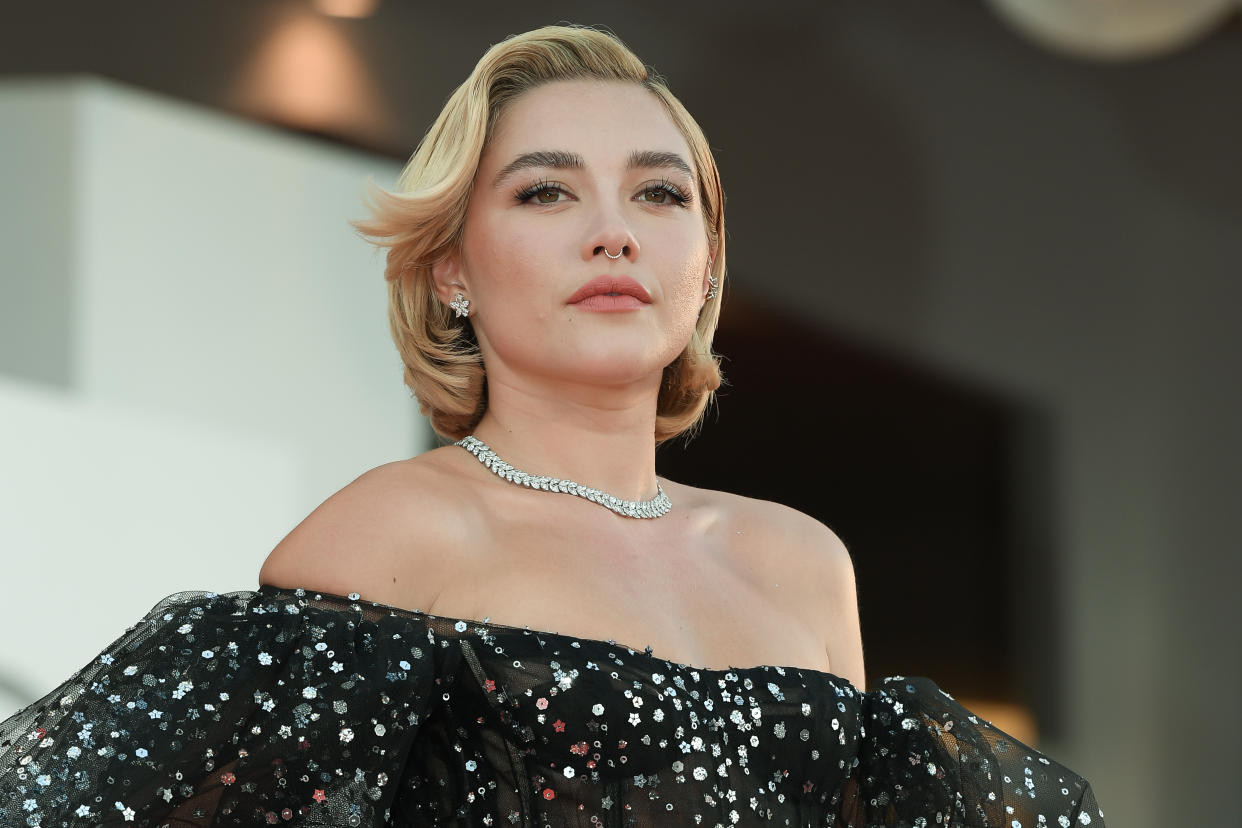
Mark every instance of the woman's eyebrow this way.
pixel 556 159
pixel 562 160
pixel 658 159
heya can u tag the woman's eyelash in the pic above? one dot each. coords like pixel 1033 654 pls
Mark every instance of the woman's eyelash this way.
pixel 674 192
pixel 537 187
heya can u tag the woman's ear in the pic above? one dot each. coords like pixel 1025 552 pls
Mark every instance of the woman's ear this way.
pixel 446 274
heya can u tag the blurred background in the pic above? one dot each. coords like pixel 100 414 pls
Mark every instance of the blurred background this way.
pixel 982 319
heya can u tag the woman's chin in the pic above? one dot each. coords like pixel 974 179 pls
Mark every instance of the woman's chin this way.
pixel 605 358
pixel 612 367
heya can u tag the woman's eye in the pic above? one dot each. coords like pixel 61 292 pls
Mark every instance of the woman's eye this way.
pixel 541 193
pixel 548 194
pixel 664 194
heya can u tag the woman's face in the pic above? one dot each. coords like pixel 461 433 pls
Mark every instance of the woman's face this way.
pixel 612 172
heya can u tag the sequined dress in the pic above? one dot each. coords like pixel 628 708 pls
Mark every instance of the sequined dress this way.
pixel 279 706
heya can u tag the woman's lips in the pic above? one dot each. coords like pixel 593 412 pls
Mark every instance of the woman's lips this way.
pixel 610 303
pixel 611 287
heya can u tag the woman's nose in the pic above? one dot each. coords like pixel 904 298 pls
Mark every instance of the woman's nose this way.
pixel 612 237
pixel 623 250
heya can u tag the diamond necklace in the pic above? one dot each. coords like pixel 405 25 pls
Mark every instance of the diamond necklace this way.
pixel 654 508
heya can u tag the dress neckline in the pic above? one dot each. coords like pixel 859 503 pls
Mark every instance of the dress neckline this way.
pixel 645 652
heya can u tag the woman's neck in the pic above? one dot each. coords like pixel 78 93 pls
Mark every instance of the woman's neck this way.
pixel 602 439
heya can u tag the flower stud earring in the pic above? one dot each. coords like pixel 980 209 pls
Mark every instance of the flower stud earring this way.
pixel 461 305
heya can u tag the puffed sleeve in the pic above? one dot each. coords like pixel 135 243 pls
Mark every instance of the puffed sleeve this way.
pixel 245 708
pixel 925 760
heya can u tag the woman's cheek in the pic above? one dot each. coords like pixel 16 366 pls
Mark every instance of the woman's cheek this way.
pixel 684 310
pixel 686 296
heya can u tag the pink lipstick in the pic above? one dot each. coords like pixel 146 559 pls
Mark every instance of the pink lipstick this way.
pixel 610 294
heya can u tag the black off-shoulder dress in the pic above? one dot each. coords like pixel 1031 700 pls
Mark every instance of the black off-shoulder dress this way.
pixel 279 706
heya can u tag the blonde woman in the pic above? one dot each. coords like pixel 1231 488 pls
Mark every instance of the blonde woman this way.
pixel 527 626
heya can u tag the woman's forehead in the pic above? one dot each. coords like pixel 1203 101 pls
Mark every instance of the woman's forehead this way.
pixel 602 122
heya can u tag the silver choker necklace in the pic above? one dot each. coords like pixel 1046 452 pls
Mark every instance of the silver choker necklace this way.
pixel 654 508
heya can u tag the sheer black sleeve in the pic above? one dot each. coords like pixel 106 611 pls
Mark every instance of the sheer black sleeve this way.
pixel 225 709
pixel 926 761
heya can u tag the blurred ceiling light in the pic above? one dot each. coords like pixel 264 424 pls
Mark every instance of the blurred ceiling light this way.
pixel 346 8
pixel 307 75
pixel 1114 29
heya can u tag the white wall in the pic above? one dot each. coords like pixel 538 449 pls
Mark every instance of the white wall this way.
pixel 37 164
pixel 105 508
pixel 194 353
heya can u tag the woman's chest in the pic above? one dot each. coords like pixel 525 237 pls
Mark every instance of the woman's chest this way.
pixel 690 604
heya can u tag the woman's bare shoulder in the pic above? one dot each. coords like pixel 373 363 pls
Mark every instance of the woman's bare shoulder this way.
pixel 776 544
pixel 385 535
pixel 767 520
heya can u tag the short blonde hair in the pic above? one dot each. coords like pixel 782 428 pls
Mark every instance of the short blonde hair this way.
pixel 423 221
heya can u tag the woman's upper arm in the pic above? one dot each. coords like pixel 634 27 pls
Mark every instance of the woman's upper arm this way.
pixel 371 537
pixel 820 572
pixel 845 647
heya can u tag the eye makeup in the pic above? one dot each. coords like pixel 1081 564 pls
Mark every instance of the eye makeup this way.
pixel 674 193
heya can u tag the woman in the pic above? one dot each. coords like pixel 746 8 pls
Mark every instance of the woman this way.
pixel 556 255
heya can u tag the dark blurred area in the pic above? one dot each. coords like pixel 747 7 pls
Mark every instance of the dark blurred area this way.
pixel 981 318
